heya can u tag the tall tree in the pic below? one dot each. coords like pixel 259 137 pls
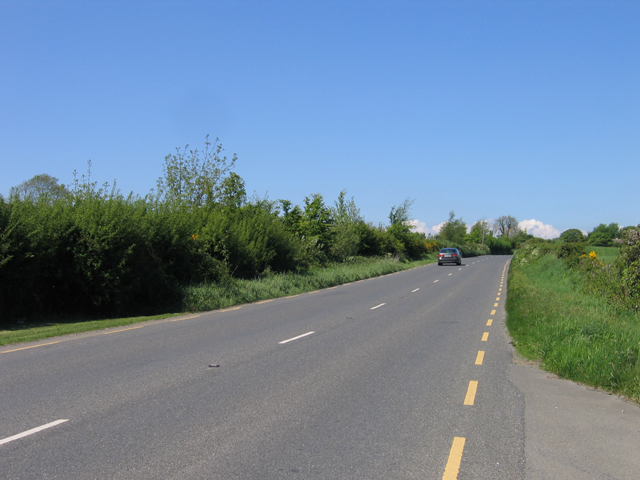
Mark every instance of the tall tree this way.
pixel 506 226
pixel 346 210
pixel 41 187
pixel 479 232
pixel 196 178
pixel 453 229
pixel 399 215
pixel 572 235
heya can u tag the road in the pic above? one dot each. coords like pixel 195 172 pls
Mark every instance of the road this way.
pixel 376 379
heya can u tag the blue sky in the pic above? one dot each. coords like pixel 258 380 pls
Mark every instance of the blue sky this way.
pixel 488 108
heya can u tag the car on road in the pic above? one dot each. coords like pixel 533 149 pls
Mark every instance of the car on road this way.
pixel 450 255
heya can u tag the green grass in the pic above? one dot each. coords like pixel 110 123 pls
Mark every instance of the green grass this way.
pixel 574 335
pixel 211 296
pixel 605 254
pixel 29 332
pixel 214 296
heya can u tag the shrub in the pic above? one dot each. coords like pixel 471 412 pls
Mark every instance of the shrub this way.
pixel 628 264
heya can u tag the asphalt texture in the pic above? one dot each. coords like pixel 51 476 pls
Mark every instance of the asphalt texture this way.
pixel 376 391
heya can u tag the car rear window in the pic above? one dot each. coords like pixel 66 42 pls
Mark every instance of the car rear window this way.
pixel 448 250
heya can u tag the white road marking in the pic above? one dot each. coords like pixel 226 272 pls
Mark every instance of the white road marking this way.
pixel 451 274
pixel 414 291
pixel 377 306
pixel 296 338
pixel 32 431
pixel 435 281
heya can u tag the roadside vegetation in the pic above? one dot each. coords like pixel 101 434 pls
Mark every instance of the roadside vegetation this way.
pixel 212 296
pixel 575 308
pixel 80 252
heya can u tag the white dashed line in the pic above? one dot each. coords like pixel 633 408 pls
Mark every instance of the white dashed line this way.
pixel 32 431
pixel 436 281
pixel 296 338
pixel 377 306
pixel 414 291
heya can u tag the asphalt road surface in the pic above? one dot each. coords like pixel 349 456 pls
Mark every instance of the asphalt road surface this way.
pixel 399 377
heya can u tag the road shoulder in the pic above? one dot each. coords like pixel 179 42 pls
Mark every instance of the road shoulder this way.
pixel 573 431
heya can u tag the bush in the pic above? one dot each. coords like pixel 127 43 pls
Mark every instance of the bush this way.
pixel 628 264
pixel 571 252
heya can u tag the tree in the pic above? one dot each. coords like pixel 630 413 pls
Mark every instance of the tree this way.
pixel 41 187
pixel 196 178
pixel 453 229
pixel 479 232
pixel 603 235
pixel 346 210
pixel 573 235
pixel 399 227
pixel 233 193
pixel 506 226
pixel 399 215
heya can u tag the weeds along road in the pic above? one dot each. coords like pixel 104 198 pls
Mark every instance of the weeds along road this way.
pixel 402 376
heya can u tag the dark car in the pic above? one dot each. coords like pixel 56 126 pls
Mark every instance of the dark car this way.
pixel 450 255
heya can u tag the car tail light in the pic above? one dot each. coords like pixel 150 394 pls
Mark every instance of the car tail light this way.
pixel 455 254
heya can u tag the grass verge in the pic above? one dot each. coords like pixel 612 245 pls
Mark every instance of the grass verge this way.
pixel 215 296
pixel 574 335
pixel 605 254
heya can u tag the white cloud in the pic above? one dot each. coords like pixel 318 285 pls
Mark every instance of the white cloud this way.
pixel 539 229
pixel 418 226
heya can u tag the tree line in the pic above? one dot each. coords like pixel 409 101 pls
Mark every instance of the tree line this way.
pixel 85 249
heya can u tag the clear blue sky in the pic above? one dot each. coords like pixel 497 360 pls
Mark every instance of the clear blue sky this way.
pixel 488 108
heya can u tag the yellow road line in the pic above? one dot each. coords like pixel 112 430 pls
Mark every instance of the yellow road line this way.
pixel 489 322
pixel 497 299
pixel 485 336
pixel 471 393
pixel 493 312
pixel 122 330
pixel 311 293
pixel 480 357
pixel 495 304
pixel 230 309
pixel 33 346
pixel 264 301
pixel 455 457
pixel 175 320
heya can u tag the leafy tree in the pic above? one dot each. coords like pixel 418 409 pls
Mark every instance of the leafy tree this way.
pixel 233 191
pixel 346 210
pixel 572 235
pixel 399 228
pixel 196 178
pixel 603 235
pixel 41 187
pixel 479 232
pixel 506 226
pixel 399 215
pixel 600 239
pixel 454 229
pixel 312 225
pixel 316 219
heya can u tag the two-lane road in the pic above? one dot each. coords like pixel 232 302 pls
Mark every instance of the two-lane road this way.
pixel 401 376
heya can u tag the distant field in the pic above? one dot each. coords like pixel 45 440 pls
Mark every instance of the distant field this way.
pixel 605 254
